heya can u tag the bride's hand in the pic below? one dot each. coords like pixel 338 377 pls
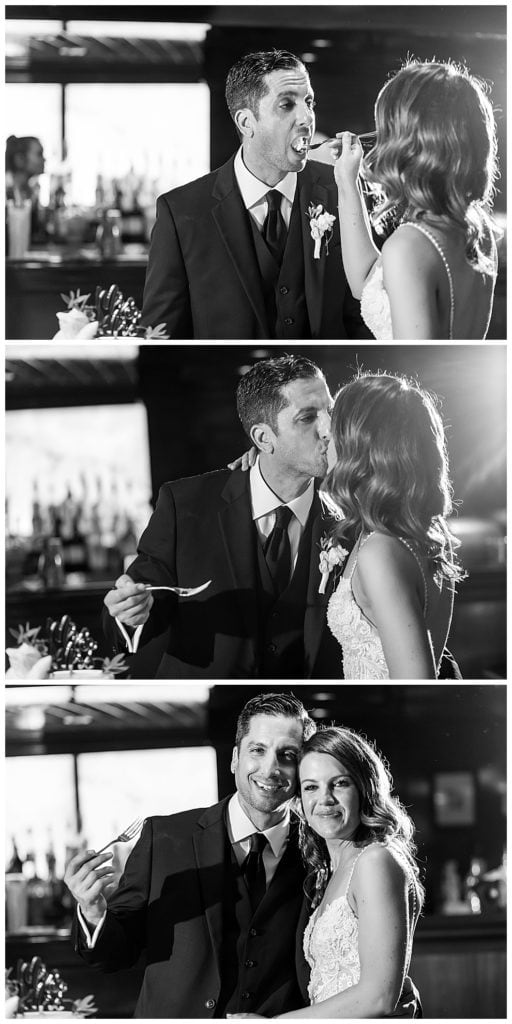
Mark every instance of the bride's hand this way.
pixel 348 159
pixel 245 461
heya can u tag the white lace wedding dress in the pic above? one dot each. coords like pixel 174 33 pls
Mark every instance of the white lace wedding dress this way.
pixel 375 307
pixel 331 946
pixel 361 647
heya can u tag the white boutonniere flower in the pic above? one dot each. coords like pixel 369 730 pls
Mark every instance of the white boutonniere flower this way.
pixel 332 556
pixel 320 223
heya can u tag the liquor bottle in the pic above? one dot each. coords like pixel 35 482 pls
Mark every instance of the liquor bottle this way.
pixel 15 864
pixel 472 883
pixel 96 552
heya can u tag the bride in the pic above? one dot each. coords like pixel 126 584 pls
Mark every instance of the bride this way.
pixel 363 884
pixel 432 170
pixel 389 486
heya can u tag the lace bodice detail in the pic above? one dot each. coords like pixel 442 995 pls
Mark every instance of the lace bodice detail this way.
pixel 331 950
pixel 375 307
pixel 331 945
pixel 362 653
pixel 363 657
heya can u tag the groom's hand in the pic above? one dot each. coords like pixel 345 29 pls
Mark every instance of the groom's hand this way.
pixel 129 602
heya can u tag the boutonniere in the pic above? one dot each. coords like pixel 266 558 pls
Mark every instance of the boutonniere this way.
pixel 320 223
pixel 332 556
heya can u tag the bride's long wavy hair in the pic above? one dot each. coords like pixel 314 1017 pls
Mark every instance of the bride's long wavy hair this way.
pixel 436 153
pixel 391 472
pixel 383 818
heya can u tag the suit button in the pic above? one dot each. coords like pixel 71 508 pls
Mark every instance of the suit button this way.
pixel 271 648
pixel 289 321
pixel 253 932
pixel 210 1004
pixel 250 963
pixel 246 995
pixel 284 290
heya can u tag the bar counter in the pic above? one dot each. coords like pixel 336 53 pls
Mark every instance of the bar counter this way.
pixel 477 637
pixel 458 965
pixel 34 285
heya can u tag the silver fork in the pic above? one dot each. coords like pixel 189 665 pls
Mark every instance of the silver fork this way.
pixel 124 837
pixel 365 135
pixel 182 591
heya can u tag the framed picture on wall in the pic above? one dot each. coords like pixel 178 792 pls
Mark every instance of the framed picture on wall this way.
pixel 454 798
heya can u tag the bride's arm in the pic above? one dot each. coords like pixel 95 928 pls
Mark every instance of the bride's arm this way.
pixel 381 897
pixel 388 587
pixel 357 247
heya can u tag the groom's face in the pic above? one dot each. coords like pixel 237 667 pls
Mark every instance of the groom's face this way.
pixel 282 126
pixel 303 429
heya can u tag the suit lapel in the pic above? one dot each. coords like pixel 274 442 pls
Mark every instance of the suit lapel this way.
pixel 232 222
pixel 312 192
pixel 237 530
pixel 316 606
pixel 209 843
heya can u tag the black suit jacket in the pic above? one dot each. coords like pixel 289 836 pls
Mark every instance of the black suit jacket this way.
pixel 170 905
pixel 203 279
pixel 201 530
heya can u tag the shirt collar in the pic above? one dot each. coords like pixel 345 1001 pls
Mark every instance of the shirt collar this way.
pixel 242 827
pixel 264 501
pixel 254 191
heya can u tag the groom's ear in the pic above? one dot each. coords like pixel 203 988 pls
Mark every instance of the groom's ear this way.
pixel 244 120
pixel 263 437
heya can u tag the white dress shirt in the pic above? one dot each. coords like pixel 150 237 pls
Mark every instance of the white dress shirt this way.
pixel 264 504
pixel 253 192
pixel 240 830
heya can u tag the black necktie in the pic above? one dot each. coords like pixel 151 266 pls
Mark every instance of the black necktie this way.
pixel 278 554
pixel 274 227
pixel 253 869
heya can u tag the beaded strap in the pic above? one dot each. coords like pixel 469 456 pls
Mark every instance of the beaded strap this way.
pixel 418 562
pixel 360 854
pixel 436 244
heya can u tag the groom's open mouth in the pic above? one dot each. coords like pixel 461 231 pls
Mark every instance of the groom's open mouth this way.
pixel 301 145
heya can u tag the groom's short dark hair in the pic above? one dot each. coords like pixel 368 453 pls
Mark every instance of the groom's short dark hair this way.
pixel 246 85
pixel 285 704
pixel 259 395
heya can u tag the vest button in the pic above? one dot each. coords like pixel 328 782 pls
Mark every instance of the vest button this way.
pixel 246 995
pixel 253 932
pixel 250 963
pixel 271 648
pixel 289 321
pixel 284 290
pixel 210 1004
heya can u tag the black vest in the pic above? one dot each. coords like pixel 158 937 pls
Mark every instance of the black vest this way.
pixel 281 620
pixel 283 288
pixel 258 968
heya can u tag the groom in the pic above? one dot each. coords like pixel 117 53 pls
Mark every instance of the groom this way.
pixel 255 538
pixel 232 254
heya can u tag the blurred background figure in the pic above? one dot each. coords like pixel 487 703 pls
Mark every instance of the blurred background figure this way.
pixel 24 163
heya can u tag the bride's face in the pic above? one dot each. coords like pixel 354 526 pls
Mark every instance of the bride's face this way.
pixel 329 797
